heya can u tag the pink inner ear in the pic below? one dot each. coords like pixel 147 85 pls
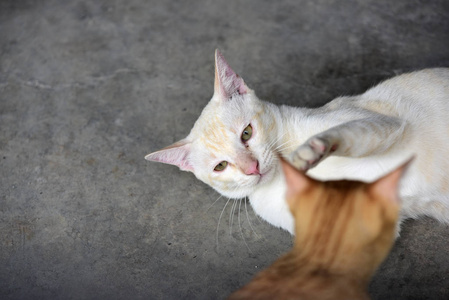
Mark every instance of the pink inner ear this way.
pixel 176 154
pixel 227 82
pixel 243 89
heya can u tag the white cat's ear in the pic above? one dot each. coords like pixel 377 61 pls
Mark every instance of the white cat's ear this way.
pixel 296 180
pixel 175 154
pixel 388 185
pixel 227 82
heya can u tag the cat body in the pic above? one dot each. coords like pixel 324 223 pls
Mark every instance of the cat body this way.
pixel 344 230
pixel 234 144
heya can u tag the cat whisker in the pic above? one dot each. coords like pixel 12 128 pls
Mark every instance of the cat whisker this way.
pixel 210 206
pixel 282 146
pixel 219 218
pixel 279 152
pixel 240 225
pixel 273 162
pixel 278 138
pixel 271 144
pixel 281 137
pixel 274 142
pixel 249 222
pixel 231 216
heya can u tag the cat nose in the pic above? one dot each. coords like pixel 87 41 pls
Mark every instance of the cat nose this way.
pixel 252 168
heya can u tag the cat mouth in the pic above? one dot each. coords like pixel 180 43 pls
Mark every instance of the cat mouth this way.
pixel 260 178
pixel 263 177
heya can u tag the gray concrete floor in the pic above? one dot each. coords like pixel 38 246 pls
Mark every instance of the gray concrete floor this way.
pixel 87 88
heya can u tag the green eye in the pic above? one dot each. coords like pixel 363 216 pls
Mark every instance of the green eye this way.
pixel 221 166
pixel 247 133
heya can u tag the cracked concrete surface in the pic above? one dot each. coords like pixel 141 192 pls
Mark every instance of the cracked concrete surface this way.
pixel 88 88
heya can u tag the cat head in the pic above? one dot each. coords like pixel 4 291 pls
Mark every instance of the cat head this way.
pixel 228 147
pixel 347 225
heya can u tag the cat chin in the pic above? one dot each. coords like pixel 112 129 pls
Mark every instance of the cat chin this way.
pixel 241 192
pixel 235 194
pixel 244 192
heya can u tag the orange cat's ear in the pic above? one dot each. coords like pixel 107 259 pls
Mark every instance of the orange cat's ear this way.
pixel 175 154
pixel 227 82
pixel 388 186
pixel 296 180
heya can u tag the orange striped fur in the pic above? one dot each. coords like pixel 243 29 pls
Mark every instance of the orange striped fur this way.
pixel 344 230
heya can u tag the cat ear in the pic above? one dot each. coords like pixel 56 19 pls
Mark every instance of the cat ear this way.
pixel 175 154
pixel 227 82
pixel 296 180
pixel 388 186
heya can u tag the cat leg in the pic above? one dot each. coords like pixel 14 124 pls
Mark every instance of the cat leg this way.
pixel 369 136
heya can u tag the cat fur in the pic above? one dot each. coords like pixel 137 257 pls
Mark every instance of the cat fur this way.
pixel 344 230
pixel 355 137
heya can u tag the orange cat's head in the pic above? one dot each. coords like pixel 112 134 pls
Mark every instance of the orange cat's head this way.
pixel 344 226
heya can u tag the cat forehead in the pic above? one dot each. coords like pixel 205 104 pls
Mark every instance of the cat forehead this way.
pixel 207 151
pixel 220 119
pixel 216 136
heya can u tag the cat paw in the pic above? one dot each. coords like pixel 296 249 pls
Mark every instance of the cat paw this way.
pixel 311 153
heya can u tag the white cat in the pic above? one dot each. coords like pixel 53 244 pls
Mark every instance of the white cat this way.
pixel 235 143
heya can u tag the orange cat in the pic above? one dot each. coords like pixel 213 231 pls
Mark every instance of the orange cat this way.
pixel 344 230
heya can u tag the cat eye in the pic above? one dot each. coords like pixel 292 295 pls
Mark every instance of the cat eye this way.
pixel 247 133
pixel 221 166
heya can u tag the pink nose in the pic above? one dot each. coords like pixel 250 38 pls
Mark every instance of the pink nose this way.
pixel 253 168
